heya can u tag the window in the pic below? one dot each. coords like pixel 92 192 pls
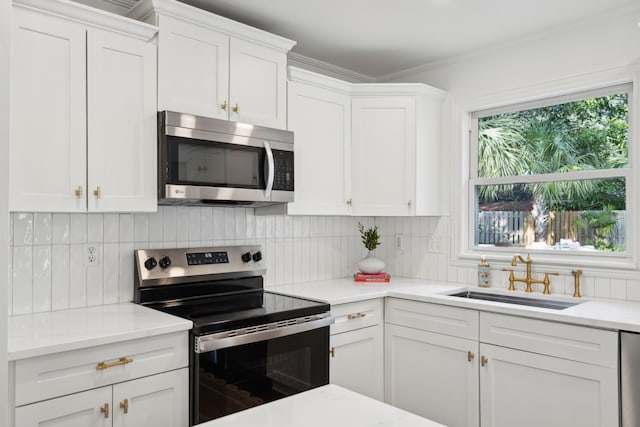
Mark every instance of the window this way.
pixel 553 174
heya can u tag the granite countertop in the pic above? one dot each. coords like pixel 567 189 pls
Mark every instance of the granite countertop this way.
pixel 38 334
pixel 329 405
pixel 593 312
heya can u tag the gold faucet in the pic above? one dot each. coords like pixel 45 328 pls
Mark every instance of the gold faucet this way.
pixel 528 280
pixel 576 282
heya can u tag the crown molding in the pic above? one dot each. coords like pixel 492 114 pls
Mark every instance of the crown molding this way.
pixel 322 67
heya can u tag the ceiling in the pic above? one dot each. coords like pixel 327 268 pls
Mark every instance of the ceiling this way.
pixel 380 37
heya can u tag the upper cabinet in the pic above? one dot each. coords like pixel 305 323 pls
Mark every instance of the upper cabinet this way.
pixel 365 149
pixel 214 67
pixel 83 110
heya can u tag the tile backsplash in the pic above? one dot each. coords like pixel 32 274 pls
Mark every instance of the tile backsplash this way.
pixel 48 267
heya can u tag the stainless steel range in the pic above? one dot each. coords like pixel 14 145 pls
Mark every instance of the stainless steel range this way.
pixel 248 346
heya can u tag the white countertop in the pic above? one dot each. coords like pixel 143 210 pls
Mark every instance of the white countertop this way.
pixel 329 405
pixel 51 332
pixel 593 312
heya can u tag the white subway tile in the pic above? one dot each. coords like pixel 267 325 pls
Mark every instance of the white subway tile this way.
pixel 270 257
pixel 313 226
pixel 60 266
pixel 297 227
pixel 125 276
pixel 22 279
pixel 323 228
pixel 280 267
pixel 141 228
pixel 169 228
pixel 313 258
pixel 61 232
pixel 633 289
pixel 77 276
pixel 22 229
pixel 270 227
pixel 619 289
pixel 288 227
pixel 279 232
pixel 111 227
pixel 587 286
pixel 95 278
pixel 229 224
pixel 251 224
pixel 240 223
pixel 206 223
pixel 306 260
pixel 95 227
pixel 41 278
pixel 194 224
pixel 218 224
pixel 111 271
pixel 155 225
pixel 78 228
pixel 42 228
pixel 10 281
pixel 127 227
pixel 602 287
pixel 297 260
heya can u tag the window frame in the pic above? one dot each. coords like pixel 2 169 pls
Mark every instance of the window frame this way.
pixel 619 260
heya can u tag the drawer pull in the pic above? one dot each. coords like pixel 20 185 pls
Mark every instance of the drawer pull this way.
pixel 332 352
pixel 122 361
pixel 125 406
pixel 105 410
pixel 470 356
pixel 356 316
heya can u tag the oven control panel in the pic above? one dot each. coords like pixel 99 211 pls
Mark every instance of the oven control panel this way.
pixel 199 258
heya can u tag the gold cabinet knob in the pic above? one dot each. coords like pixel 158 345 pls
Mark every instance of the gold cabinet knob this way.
pixel 104 409
pixel 332 352
pixel 409 203
pixel 78 192
pixel 470 356
pixel 349 202
pixel 97 192
pixel 483 361
pixel 235 108
pixel 224 105
pixel 124 405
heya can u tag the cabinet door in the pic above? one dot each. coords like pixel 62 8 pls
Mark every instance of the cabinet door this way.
pixel 121 123
pixel 321 122
pixel 157 401
pixel 432 375
pixel 75 410
pixel 356 361
pixel 524 389
pixel 193 69
pixel 257 84
pixel 48 114
pixel 383 155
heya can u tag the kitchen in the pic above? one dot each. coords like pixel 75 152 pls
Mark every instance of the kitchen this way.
pixel 326 247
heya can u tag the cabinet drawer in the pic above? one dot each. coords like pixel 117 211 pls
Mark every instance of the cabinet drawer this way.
pixel 442 319
pixel 44 377
pixel 356 315
pixel 579 343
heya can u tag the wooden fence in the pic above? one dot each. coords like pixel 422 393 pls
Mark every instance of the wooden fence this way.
pixel 506 228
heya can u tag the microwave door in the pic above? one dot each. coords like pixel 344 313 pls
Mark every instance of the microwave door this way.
pixel 269 170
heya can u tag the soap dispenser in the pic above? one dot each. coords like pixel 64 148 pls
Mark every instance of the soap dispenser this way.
pixel 483 273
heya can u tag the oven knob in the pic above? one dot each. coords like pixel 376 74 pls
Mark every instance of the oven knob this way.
pixel 150 263
pixel 246 257
pixel 165 262
pixel 257 256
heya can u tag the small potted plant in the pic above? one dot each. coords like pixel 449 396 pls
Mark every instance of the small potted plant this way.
pixel 371 240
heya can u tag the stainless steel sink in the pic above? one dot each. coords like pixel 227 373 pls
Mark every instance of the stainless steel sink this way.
pixel 513 299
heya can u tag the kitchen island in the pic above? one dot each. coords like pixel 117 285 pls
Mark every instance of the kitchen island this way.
pixel 329 405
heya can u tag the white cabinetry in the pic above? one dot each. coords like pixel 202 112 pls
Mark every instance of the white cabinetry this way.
pixel 320 118
pixel 133 383
pixel 356 346
pixel 83 110
pixel 214 67
pixel 528 372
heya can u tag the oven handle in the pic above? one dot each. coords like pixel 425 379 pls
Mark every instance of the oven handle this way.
pixel 270 170
pixel 207 343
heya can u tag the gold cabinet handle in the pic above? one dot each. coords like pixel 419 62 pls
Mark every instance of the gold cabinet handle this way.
pixel 235 108
pixel 483 361
pixel 332 352
pixel 355 316
pixel 409 203
pixel 349 202
pixel 124 405
pixel 122 361
pixel 97 192
pixel 104 409
pixel 470 355
pixel 78 192
pixel 224 105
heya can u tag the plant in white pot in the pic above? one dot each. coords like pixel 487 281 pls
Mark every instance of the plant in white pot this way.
pixel 371 240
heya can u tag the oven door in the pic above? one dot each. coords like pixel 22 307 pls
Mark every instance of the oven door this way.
pixel 237 377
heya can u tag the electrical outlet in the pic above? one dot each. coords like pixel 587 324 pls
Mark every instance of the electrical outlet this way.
pixel 399 242
pixel 91 255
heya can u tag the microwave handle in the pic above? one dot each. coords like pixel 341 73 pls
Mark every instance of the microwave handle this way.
pixel 270 170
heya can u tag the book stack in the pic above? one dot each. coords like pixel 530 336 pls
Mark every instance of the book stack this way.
pixel 378 277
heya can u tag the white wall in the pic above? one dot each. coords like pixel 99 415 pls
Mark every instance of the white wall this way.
pixel 586 55
pixel 5 26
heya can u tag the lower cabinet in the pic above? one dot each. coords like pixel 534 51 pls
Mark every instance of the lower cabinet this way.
pixel 516 372
pixel 356 348
pixel 157 401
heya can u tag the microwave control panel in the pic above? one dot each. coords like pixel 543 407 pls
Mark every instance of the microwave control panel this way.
pixel 283 177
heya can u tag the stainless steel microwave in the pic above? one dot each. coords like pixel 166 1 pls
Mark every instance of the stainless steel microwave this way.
pixel 204 161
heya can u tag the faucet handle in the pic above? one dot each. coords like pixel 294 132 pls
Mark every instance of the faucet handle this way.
pixel 576 282
pixel 547 281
